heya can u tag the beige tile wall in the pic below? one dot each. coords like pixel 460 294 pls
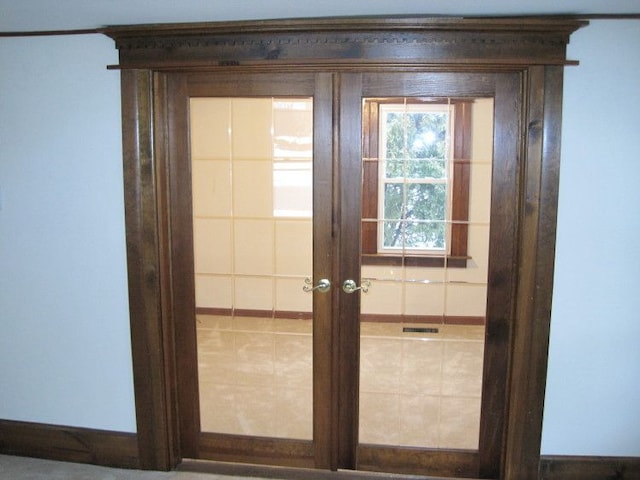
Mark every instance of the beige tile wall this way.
pixel 247 255
pixel 248 258
pixel 446 291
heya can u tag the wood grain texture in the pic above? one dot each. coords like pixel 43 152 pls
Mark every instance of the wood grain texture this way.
pixel 516 60
pixel 535 283
pixel 350 41
pixel 69 444
pixel 142 217
pixel 349 178
pixel 559 467
pixel 325 353
pixel 173 146
pixel 259 450
pixel 440 463
pixel 502 275
pixel 462 144
pixel 288 473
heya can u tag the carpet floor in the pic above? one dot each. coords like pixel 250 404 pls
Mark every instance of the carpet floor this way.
pixel 23 468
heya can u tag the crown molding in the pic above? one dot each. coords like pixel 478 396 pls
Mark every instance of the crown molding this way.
pixel 352 40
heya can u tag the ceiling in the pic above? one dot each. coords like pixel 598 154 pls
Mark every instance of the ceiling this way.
pixel 46 15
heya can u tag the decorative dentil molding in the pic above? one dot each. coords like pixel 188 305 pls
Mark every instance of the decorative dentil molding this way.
pixel 422 40
pixel 175 42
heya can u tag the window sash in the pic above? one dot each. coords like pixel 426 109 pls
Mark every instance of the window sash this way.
pixel 446 179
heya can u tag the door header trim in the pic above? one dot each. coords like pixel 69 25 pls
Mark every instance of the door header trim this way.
pixel 346 41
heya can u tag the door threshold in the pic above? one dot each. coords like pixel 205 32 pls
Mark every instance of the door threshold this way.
pixel 289 473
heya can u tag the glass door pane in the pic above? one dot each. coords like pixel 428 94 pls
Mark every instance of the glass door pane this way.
pixel 426 172
pixel 251 161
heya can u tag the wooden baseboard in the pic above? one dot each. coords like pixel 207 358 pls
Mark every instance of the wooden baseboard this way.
pixel 365 317
pixel 120 450
pixel 427 319
pixel 69 444
pixel 243 312
pixel 562 467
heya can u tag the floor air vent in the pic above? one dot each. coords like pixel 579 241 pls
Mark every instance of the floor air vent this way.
pixel 419 330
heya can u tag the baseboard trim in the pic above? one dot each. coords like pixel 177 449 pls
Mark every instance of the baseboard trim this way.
pixel 244 312
pixel 120 450
pixel 563 467
pixel 365 317
pixel 69 444
pixel 427 319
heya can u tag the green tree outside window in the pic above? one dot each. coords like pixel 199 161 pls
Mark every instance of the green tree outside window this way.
pixel 415 176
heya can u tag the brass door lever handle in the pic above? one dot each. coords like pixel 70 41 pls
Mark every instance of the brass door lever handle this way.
pixel 323 285
pixel 350 286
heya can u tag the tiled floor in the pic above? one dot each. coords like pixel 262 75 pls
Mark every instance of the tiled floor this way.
pixel 416 389
pixel 253 373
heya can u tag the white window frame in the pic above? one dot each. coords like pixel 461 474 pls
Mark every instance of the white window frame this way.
pixel 385 109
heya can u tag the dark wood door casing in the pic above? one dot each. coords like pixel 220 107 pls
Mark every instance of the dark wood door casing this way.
pixel 194 443
pixel 501 301
pixel 531 49
pixel 336 359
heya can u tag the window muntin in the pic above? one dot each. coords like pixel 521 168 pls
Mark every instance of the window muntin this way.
pixel 414 186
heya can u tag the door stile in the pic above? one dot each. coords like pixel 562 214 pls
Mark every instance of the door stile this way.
pixel 538 226
pixel 145 216
pixel 183 287
pixel 503 252
pixel 324 354
pixel 350 186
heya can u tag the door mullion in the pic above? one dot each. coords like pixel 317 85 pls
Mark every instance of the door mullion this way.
pixel 349 97
pixel 324 388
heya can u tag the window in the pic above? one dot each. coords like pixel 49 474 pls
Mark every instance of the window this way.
pixel 292 145
pixel 414 178
pixel 416 181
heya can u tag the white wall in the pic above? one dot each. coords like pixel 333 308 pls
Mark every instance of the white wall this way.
pixel 593 391
pixel 64 322
pixel 63 304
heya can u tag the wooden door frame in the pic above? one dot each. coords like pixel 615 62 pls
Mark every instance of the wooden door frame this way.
pixel 533 47
pixel 227 447
pixel 502 88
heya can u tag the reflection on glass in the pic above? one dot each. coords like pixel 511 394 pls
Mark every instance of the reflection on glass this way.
pixel 422 322
pixel 418 211
pixel 414 152
pixel 252 206
pixel 292 182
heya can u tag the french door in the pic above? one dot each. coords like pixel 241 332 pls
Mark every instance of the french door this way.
pixel 344 282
